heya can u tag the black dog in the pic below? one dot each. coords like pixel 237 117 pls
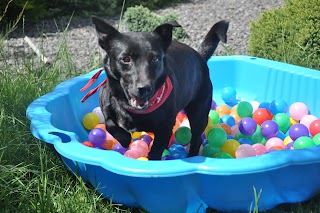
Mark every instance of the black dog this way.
pixel 151 78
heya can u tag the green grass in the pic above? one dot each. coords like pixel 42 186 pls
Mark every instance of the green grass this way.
pixel 32 175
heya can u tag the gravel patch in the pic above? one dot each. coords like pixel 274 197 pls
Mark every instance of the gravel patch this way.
pixel 79 38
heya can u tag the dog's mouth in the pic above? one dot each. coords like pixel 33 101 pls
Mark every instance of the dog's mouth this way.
pixel 139 103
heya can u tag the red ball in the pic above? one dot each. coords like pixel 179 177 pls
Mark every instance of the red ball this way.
pixel 314 127
pixel 261 115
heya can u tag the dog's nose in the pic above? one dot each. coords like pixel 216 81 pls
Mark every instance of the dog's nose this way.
pixel 144 90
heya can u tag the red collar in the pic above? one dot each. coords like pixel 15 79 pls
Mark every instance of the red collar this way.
pixel 155 102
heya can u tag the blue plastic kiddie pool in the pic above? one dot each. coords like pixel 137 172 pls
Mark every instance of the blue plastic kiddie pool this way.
pixel 191 184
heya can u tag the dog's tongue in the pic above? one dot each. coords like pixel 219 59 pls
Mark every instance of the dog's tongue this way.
pixel 139 103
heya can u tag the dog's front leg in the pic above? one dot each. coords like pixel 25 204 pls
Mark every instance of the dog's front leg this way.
pixel 160 143
pixel 122 135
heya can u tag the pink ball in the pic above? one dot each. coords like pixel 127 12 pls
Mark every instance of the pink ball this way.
pixel 132 154
pixel 244 151
pixel 307 120
pixel 259 148
pixel 274 142
pixel 141 147
pixel 297 110
pixel 234 130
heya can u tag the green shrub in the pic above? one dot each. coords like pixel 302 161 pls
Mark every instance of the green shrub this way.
pixel 139 19
pixel 290 34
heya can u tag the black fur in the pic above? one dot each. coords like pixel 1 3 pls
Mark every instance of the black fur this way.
pixel 137 64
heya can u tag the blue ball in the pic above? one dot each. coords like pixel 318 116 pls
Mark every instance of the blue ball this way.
pixel 228 119
pixel 178 151
pixel 245 141
pixel 278 106
pixel 281 135
pixel 229 95
pixel 265 105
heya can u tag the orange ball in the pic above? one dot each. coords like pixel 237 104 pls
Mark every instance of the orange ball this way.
pixel 109 144
pixel 101 126
pixel 226 128
pixel 235 116
pixel 223 110
pixel 88 143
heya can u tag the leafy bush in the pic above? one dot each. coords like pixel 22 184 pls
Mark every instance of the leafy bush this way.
pixel 139 19
pixel 290 34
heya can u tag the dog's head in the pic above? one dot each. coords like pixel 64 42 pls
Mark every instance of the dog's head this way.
pixel 136 60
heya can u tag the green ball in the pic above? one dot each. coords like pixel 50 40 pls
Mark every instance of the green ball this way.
pixel 303 142
pixel 223 155
pixel 239 135
pixel 283 121
pixel 216 137
pixel 210 151
pixel 165 153
pixel 244 109
pixel 215 117
pixel 257 137
pixel 183 135
pixel 316 139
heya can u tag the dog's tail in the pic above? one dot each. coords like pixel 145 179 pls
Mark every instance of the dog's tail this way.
pixel 218 32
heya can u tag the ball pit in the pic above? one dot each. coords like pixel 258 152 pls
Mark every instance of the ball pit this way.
pixel 182 184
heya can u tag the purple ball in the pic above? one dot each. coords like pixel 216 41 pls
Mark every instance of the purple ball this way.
pixel 247 126
pixel 289 146
pixel 269 129
pixel 298 130
pixel 97 136
pixel 146 138
pixel 119 148
pixel 213 105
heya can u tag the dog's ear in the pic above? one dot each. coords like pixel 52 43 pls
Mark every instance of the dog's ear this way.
pixel 105 32
pixel 165 32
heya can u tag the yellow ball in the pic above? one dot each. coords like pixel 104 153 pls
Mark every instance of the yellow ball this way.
pixel 143 158
pixel 230 147
pixel 135 135
pixel 90 120
pixel 287 140
pixel 293 121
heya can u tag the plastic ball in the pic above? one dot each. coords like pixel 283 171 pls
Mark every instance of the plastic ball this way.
pixel 274 142
pixel 265 105
pixel 315 127
pixel 228 119
pixel 98 111
pixel 293 121
pixel 132 154
pixel 255 105
pixel 257 137
pixel 214 116
pixel 223 155
pixel 146 138
pixel 119 148
pixel 230 147
pixel 168 157
pixel 210 151
pixel 101 126
pixel 298 130
pixel 234 130
pixel 283 121
pixel 235 116
pixel 278 106
pixel 213 105
pixel 135 135
pixel 178 151
pixel 245 141
pixel 289 146
pixel 216 137
pixel 303 142
pixel 247 126
pixel 88 143
pixel 244 109
pixel 143 158
pixel 245 150
pixel 90 120
pixel 269 129
pixel 259 148
pixel 307 120
pixel 229 95
pixel 297 110
pixel 97 136
pixel 183 135
pixel 226 128
pixel 109 144
pixel 141 147
pixel 261 115
pixel 287 140
pixel 316 139
pixel 223 110
pixel 281 135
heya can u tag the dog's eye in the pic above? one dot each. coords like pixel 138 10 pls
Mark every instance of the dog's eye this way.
pixel 126 60
pixel 155 60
